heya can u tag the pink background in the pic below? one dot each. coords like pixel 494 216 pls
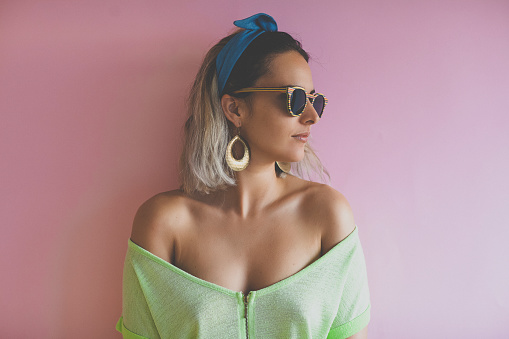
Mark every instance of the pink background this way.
pixel 415 136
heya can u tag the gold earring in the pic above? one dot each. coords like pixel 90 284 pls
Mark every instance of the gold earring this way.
pixel 234 164
pixel 284 166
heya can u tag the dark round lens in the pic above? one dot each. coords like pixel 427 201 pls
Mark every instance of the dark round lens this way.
pixel 318 104
pixel 298 101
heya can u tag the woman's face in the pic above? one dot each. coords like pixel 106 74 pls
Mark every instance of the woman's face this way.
pixel 269 129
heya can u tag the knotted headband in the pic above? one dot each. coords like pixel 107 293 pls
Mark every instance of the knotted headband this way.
pixel 231 52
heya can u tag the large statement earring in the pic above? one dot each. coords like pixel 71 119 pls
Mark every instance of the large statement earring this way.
pixel 234 164
pixel 284 166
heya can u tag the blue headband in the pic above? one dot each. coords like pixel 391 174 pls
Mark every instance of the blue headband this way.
pixel 231 52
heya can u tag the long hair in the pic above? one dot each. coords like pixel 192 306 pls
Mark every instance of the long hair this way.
pixel 202 165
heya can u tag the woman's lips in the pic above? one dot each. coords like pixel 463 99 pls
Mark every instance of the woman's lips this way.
pixel 301 137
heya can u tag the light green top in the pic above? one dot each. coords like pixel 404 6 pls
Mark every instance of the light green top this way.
pixel 327 299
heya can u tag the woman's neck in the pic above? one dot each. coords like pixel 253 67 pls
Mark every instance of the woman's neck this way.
pixel 257 187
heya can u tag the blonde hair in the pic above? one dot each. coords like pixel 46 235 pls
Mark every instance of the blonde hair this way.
pixel 202 165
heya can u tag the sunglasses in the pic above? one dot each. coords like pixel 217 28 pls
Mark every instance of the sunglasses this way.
pixel 296 97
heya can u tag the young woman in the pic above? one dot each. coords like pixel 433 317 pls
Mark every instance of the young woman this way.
pixel 244 248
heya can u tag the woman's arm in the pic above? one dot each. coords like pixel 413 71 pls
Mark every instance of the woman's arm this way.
pixel 362 334
pixel 338 223
pixel 157 223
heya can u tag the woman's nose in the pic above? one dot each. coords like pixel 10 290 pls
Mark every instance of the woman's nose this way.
pixel 309 115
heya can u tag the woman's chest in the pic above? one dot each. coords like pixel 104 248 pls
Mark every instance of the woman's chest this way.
pixel 248 256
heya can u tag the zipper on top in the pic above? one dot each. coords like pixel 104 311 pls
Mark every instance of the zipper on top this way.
pixel 246 301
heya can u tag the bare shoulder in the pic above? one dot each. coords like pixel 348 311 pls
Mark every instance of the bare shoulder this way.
pixel 331 212
pixel 157 222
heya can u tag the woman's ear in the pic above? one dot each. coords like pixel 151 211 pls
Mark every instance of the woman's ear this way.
pixel 231 109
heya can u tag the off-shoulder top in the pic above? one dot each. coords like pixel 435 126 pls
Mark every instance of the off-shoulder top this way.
pixel 327 299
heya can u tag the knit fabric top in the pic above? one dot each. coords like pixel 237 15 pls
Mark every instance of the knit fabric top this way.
pixel 327 299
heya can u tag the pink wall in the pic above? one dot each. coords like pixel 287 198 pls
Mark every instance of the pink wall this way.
pixel 92 103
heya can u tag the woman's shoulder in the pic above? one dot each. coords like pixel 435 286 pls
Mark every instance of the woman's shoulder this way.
pixel 158 220
pixel 329 210
pixel 164 207
pixel 315 193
